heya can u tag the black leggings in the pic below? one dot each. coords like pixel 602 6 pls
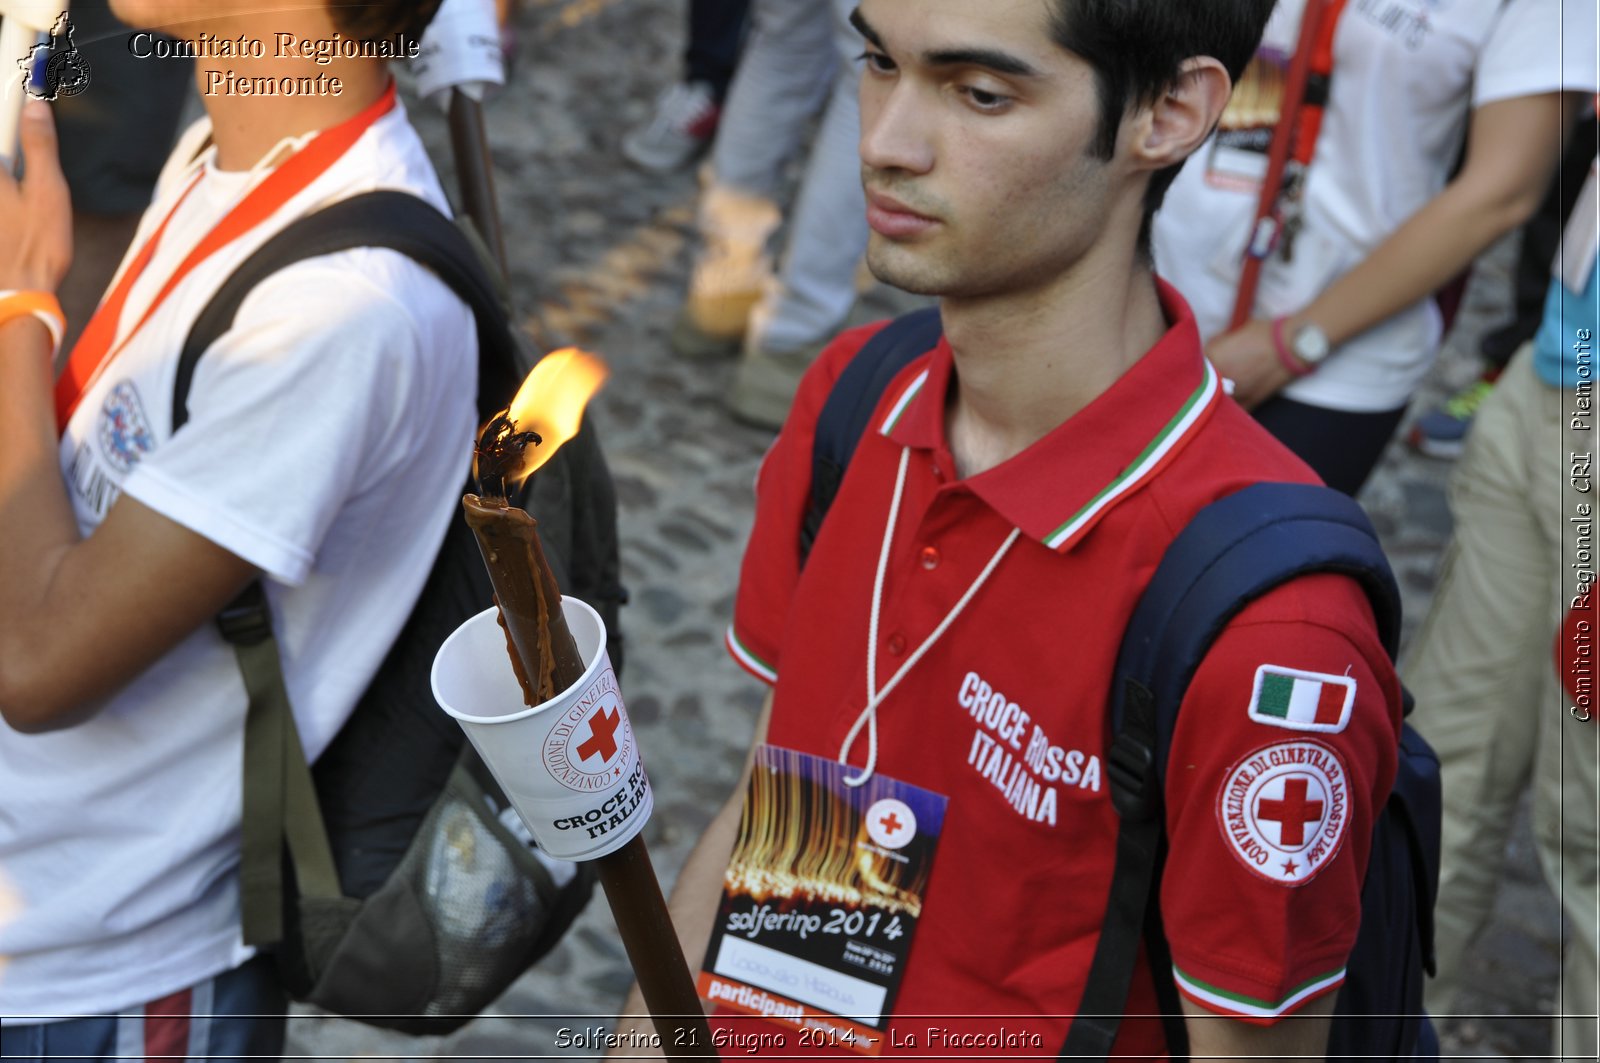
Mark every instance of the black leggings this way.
pixel 1343 448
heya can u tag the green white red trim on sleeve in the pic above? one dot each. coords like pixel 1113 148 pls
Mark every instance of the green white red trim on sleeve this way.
pixel 747 658
pixel 1223 1001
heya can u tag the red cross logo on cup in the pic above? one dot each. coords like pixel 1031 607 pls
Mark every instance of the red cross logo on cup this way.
pixel 891 823
pixel 602 725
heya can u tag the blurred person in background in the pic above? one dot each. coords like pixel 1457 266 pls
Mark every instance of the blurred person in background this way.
pixel 1342 329
pixel 1486 690
pixel 686 114
pixel 799 61
pixel 1442 431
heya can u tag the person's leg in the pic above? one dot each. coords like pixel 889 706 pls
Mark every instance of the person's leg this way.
pixel 238 1015
pixel 1472 667
pixel 806 303
pixel 95 1037
pixel 1564 832
pixel 784 76
pixel 1566 788
pixel 716 31
pixel 1343 448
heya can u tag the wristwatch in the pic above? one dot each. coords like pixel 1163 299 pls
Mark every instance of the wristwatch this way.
pixel 1310 344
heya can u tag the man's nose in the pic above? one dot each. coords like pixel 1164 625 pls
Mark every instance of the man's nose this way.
pixel 895 134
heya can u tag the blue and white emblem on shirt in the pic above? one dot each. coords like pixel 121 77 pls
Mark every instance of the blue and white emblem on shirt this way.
pixel 125 434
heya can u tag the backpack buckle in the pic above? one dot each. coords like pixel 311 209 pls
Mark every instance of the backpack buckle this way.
pixel 245 620
pixel 1131 767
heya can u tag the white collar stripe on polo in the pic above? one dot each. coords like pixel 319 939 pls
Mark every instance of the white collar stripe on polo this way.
pixel 1139 469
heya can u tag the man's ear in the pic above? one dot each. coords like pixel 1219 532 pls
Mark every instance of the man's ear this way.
pixel 1170 129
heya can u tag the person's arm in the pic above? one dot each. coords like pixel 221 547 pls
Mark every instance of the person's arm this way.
pixel 78 617
pixel 1301 1037
pixel 1512 150
pixel 693 905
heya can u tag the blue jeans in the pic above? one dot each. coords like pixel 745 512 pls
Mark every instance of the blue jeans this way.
pixel 237 1015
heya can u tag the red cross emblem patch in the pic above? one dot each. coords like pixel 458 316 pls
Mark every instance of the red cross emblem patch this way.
pixel 1283 810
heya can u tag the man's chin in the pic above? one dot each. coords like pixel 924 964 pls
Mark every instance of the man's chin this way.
pixel 900 268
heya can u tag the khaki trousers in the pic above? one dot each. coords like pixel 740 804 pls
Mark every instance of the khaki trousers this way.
pixel 1488 697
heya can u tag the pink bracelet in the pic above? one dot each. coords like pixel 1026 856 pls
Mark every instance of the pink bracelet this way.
pixel 1290 360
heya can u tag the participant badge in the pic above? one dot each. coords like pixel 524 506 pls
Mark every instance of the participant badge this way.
pixel 821 899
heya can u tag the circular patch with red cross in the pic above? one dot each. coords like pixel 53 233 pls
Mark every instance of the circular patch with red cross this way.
pixel 588 747
pixel 1284 808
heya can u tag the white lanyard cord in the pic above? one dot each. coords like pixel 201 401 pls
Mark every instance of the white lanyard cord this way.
pixel 875 697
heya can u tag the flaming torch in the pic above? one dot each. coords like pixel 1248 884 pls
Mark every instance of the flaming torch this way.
pixel 552 728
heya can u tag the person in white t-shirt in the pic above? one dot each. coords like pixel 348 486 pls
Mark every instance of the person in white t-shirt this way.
pixel 328 431
pixel 1347 304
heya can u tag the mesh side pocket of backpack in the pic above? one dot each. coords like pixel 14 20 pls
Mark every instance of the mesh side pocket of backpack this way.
pixel 487 896
pixel 491 901
pixel 466 911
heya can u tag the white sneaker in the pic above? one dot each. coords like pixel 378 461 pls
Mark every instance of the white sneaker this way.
pixel 685 119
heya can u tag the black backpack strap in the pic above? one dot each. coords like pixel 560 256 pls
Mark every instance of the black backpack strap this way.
pixel 1232 552
pixel 849 407
pixel 386 218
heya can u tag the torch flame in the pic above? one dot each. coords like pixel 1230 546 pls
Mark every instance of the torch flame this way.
pixel 551 403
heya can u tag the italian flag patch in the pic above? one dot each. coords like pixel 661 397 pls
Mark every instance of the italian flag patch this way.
pixel 1302 701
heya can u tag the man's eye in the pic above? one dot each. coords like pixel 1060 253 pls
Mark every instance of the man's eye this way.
pixel 877 62
pixel 985 100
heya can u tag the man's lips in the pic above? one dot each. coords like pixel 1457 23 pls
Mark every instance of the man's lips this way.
pixel 888 216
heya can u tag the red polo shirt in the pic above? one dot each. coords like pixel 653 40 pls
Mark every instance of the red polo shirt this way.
pixel 1007 713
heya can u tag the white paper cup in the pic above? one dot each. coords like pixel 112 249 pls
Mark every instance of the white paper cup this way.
pixel 570 766
pixel 459 49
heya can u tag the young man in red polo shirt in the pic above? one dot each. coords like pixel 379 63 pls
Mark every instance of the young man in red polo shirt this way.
pixel 955 625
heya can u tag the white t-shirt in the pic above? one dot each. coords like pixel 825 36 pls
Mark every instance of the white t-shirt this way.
pixel 329 435
pixel 1406 75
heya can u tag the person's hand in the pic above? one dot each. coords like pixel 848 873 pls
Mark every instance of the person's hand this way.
pixel 1248 357
pixel 36 215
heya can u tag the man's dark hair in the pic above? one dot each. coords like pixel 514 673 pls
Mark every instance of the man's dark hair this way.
pixel 1136 48
pixel 377 19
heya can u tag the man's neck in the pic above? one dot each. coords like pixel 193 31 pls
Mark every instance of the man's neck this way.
pixel 246 127
pixel 246 122
pixel 1026 362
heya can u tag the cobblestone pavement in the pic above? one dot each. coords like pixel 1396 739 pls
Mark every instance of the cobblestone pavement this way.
pixel 599 257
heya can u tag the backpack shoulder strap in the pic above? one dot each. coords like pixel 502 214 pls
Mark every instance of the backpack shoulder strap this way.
pixel 1232 552
pixel 385 218
pixel 849 406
